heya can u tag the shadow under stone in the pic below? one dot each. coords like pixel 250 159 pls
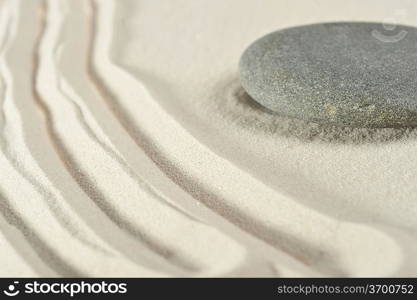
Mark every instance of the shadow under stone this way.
pixel 238 107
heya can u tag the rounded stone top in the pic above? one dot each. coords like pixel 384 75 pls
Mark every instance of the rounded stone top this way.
pixel 348 74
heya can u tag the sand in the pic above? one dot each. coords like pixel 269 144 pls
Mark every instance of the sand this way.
pixel 128 148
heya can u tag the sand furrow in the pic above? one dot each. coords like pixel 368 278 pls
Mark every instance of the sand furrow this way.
pixel 183 158
pixel 125 201
pixel 128 148
pixel 260 254
pixel 12 139
pixel 37 209
pixel 18 256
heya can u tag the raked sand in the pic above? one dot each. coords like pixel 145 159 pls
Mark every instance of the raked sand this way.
pixel 128 148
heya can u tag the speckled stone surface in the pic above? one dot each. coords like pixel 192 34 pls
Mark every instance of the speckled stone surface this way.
pixel 348 74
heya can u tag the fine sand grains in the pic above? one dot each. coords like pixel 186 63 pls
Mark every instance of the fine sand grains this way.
pixel 129 149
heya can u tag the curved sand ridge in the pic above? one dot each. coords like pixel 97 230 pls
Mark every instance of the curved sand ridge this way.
pixel 102 177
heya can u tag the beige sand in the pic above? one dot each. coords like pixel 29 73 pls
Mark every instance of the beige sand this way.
pixel 130 149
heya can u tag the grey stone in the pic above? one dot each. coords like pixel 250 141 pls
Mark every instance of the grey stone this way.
pixel 348 74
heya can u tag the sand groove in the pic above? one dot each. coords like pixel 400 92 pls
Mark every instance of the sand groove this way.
pixel 125 188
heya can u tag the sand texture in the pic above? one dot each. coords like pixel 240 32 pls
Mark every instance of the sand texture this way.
pixel 129 148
